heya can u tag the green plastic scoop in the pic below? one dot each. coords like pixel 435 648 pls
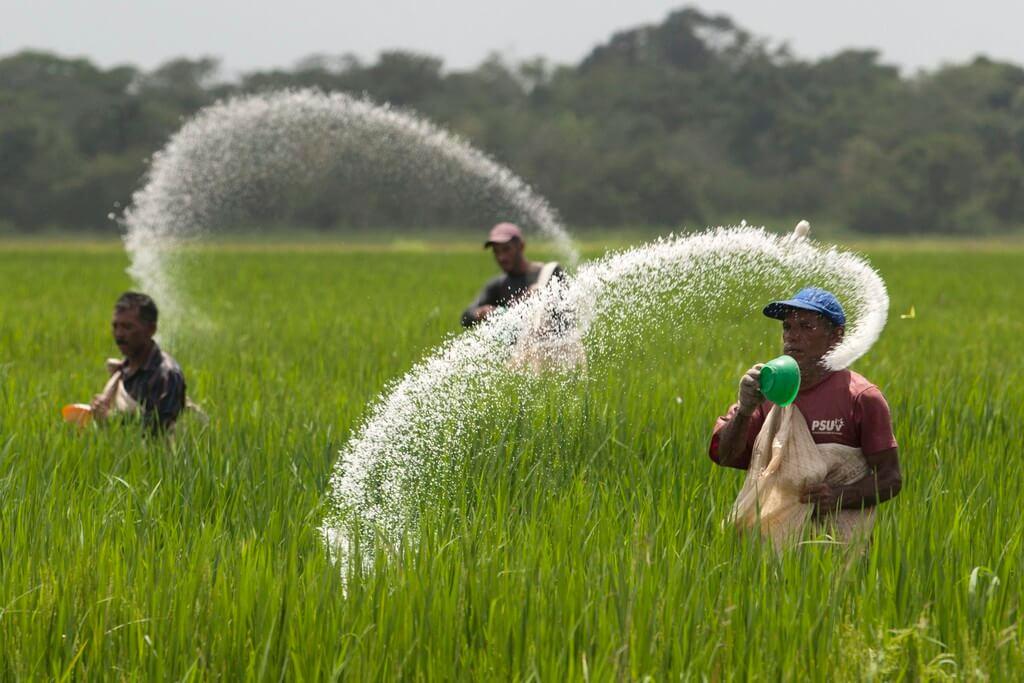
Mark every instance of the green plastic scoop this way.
pixel 780 380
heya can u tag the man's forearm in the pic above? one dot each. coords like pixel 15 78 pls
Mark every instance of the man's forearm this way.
pixel 732 440
pixel 876 487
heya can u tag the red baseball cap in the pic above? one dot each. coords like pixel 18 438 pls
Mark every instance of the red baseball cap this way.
pixel 502 233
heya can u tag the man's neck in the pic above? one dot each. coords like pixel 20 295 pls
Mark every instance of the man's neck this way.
pixel 138 360
pixel 520 269
pixel 813 377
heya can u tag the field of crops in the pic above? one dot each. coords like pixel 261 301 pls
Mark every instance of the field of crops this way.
pixel 584 538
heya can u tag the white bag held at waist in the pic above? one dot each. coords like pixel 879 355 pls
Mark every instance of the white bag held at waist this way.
pixel 784 462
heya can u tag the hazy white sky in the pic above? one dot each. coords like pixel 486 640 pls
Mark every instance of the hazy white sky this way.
pixel 251 34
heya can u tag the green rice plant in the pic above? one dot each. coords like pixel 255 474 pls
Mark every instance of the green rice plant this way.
pixel 582 538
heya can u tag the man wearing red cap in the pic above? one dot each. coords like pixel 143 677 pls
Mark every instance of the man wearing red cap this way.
pixel 521 275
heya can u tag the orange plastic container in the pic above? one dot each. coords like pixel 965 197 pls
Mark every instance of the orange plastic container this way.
pixel 77 413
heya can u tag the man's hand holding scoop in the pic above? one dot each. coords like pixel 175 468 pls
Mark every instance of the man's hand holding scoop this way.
pixel 823 497
pixel 750 396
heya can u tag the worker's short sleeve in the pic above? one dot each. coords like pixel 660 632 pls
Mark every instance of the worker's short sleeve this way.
pixel 753 429
pixel 872 417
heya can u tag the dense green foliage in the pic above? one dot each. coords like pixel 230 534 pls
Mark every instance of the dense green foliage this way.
pixel 689 121
pixel 590 551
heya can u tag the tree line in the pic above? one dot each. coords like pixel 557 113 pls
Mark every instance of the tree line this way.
pixel 689 121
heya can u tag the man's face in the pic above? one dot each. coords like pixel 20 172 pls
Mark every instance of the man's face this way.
pixel 131 333
pixel 807 337
pixel 508 255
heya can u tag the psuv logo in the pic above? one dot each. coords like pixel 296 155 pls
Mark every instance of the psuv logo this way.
pixel 833 426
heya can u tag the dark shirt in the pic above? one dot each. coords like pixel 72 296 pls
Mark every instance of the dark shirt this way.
pixel 159 388
pixel 504 290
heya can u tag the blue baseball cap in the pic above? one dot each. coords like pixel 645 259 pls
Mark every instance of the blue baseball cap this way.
pixel 809 299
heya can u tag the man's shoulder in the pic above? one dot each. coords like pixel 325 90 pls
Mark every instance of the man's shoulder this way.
pixel 496 281
pixel 548 269
pixel 167 366
pixel 554 266
pixel 859 385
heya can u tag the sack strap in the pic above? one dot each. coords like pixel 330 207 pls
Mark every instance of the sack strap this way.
pixel 545 274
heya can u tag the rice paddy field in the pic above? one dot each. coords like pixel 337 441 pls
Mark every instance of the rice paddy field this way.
pixel 583 539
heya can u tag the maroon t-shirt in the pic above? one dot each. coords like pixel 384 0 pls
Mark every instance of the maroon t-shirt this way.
pixel 843 408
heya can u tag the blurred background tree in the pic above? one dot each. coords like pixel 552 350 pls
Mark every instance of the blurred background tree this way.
pixel 680 123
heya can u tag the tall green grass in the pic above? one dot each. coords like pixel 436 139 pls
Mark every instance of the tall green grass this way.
pixel 583 539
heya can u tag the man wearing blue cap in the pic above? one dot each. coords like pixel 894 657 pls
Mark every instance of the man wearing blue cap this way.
pixel 840 407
